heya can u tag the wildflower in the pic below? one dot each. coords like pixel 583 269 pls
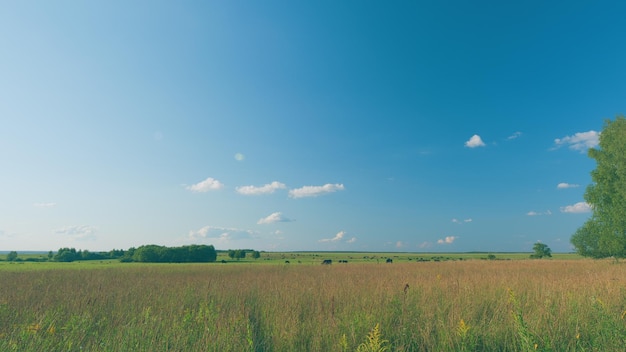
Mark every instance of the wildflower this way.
pixel 33 328
pixel 51 330
pixel 462 329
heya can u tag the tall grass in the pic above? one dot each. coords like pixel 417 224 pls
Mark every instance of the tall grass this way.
pixel 556 305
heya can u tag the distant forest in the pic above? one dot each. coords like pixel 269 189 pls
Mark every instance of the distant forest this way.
pixel 144 254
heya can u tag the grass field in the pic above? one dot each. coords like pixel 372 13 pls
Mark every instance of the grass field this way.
pixel 454 305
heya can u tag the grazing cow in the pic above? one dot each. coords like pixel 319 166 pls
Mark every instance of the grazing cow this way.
pixel 327 262
pixel 286 262
pixel 343 261
pixel 223 261
pixel 389 260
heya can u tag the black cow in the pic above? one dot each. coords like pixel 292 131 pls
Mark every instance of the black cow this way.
pixel 327 261
pixel 286 262
pixel 389 260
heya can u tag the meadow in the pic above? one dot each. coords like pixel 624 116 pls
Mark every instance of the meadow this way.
pixel 364 305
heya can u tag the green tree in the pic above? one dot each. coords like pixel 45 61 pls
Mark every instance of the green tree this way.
pixel 12 256
pixel 604 233
pixel 237 253
pixel 67 255
pixel 256 254
pixel 541 250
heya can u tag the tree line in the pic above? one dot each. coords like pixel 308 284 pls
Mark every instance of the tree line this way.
pixel 143 254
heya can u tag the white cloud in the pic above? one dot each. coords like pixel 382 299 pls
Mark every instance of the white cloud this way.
pixel 580 141
pixel 338 237
pixel 239 157
pixel 272 218
pixel 221 234
pixel 265 189
pixel 424 245
pixel 514 136
pixel 210 184
pixel 78 232
pixel 580 207
pixel 534 213
pixel 457 221
pixel 474 142
pixel 352 240
pixel 447 240
pixel 314 191
pixel 400 244
pixel 44 205
pixel 564 185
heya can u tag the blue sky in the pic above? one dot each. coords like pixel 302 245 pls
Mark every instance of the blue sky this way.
pixel 291 125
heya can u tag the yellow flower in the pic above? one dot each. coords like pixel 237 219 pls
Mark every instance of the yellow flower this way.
pixel 33 328
pixel 51 330
pixel 462 329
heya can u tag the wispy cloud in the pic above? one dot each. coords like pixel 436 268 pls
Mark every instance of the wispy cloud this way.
pixel 210 184
pixel 338 237
pixel 221 234
pixel 514 136
pixel 580 207
pixel 265 189
pixel 239 157
pixel 44 205
pixel 457 221
pixel 447 240
pixel 425 245
pixel 78 232
pixel 475 141
pixel 314 191
pixel 580 141
pixel 272 218
pixel 535 213
pixel 400 244
pixel 564 185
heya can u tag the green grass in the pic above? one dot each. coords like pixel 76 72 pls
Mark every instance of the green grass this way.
pixel 470 305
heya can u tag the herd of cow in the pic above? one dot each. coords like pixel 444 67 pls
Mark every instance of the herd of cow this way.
pixel 330 261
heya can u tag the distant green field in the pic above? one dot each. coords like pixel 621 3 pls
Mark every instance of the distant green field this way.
pixel 378 257
pixel 318 257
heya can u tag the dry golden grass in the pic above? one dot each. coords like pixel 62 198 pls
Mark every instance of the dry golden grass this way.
pixel 557 305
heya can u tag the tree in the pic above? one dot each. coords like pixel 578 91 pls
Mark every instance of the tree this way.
pixel 604 233
pixel 12 256
pixel 66 255
pixel 237 253
pixel 541 250
pixel 256 254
